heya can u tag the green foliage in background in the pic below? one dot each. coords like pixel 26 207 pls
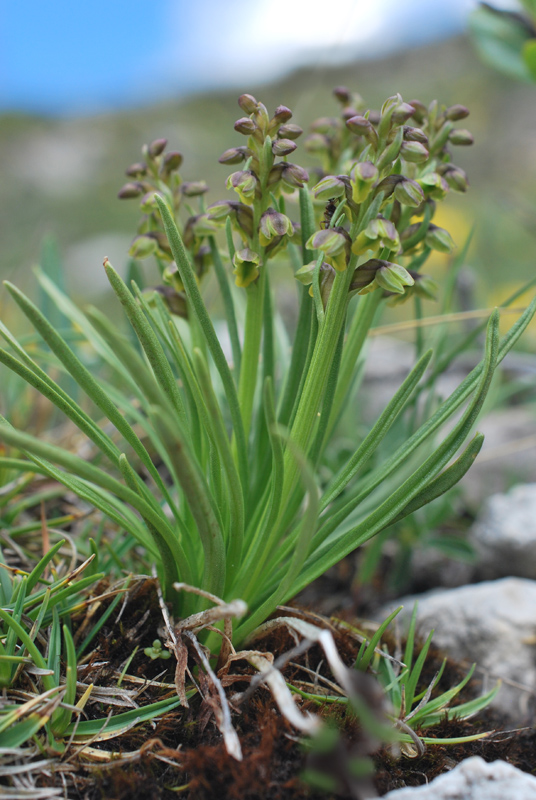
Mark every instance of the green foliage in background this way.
pixel 506 40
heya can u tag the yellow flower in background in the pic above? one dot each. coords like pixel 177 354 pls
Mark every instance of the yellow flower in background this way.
pixel 497 295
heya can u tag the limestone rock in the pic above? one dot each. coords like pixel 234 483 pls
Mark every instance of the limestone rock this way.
pixel 474 779
pixel 491 623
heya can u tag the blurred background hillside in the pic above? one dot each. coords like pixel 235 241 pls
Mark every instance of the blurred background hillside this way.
pixel 73 117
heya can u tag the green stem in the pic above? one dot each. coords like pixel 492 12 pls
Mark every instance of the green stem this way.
pixel 252 346
pixel 317 378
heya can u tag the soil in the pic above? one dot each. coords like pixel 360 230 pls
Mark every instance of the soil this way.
pixel 182 754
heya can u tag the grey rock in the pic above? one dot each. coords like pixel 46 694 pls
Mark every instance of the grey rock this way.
pixel 490 623
pixel 504 535
pixel 474 779
pixel 508 455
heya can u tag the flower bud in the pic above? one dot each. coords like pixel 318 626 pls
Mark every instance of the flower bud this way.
pixel 328 188
pixel 326 125
pixel 148 203
pixel 157 147
pixel 282 114
pixel 342 94
pixel 317 143
pixel 359 125
pixel 362 178
pixel 245 125
pixel 138 170
pixel 275 174
pixel 221 209
pixel 434 185
pixel 456 178
pixel 383 274
pixel 456 112
pixel 172 161
pixel 289 131
pixel 245 185
pixel 194 188
pixel 235 155
pixel 142 247
pixel 415 135
pixel 283 147
pixel 305 276
pixel 244 219
pixel 379 233
pixel 414 152
pixel 247 103
pixel 246 267
pixel 401 113
pixel 439 239
pixel 461 137
pixel 175 301
pixel 409 193
pixel 420 112
pixel 130 190
pixel 334 242
pixel 273 224
pixel 294 176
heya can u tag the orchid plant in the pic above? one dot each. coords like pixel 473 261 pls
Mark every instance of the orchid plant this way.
pixel 213 459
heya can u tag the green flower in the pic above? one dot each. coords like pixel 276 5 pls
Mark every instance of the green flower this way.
pixel 246 267
pixel 376 273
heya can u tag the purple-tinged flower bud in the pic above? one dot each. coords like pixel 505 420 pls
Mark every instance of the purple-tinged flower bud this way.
pixel 342 94
pixel 348 112
pixel 157 147
pixel 456 112
pixel 461 137
pixel 235 155
pixel 359 125
pixel 275 174
pixel 245 125
pixel 142 247
pixel 328 188
pixel 414 152
pixel 194 188
pixel 161 241
pixel 383 274
pixel 305 276
pixel 244 219
pixel 148 202
pixel 326 125
pixel 362 179
pixel 172 162
pixel 138 170
pixel 439 239
pixel 420 112
pixel 245 185
pixel 247 103
pixel 130 190
pixel 289 131
pixel 456 178
pixel 221 209
pixel 283 147
pixel 415 135
pixel 175 301
pixel 401 113
pixel 409 193
pixel 282 114
pixel 273 224
pixel 294 176
pixel 317 143
pixel 434 185
pixel 246 267
pixel 335 243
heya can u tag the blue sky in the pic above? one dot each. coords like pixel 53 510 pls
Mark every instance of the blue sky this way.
pixel 71 57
